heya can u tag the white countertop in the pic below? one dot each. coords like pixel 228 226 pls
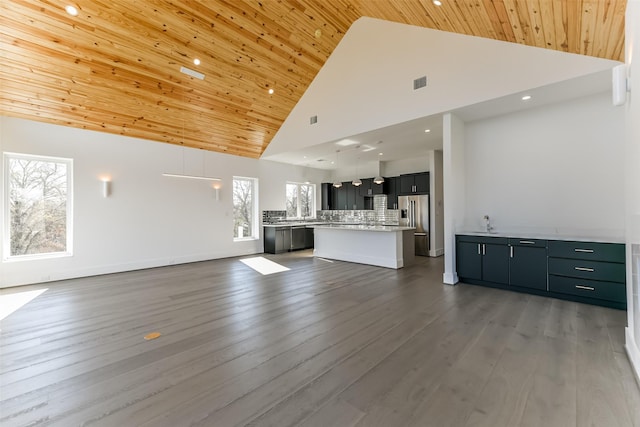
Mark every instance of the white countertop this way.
pixel 544 236
pixel 363 227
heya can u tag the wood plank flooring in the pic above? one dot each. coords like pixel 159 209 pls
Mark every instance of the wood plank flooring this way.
pixel 323 344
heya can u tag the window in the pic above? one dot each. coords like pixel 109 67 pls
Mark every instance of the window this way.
pixel 301 200
pixel 38 195
pixel 245 208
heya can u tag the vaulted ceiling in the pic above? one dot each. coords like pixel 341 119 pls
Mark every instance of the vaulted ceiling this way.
pixel 115 67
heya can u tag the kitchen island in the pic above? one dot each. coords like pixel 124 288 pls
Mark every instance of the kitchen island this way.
pixel 380 245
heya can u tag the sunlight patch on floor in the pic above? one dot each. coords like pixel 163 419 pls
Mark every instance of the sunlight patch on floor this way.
pixel 12 302
pixel 263 265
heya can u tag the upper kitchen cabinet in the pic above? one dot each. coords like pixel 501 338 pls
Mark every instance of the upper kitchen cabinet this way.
pixel 370 188
pixel 327 196
pixel 415 183
pixel 392 185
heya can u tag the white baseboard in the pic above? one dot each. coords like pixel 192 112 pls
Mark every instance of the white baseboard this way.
pixel 633 352
pixel 450 278
pixel 436 252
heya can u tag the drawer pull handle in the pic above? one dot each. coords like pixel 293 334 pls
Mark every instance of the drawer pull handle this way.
pixel 587 251
pixel 586 288
pixel 527 242
pixel 591 270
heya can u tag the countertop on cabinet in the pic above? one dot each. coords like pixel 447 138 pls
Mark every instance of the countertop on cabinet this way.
pixel 542 236
pixel 364 227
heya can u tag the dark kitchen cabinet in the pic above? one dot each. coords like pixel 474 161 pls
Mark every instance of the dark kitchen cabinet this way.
pixel 483 258
pixel 587 272
pixel 298 236
pixel 365 189
pixel 593 272
pixel 528 263
pixel 392 192
pixel 327 196
pixel 308 238
pixel 351 195
pixel 415 183
pixel 277 239
pixel 341 197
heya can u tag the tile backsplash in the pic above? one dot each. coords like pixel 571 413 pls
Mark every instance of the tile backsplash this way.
pixel 379 215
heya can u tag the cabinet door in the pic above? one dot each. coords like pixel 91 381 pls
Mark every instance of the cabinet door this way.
pixel 308 238
pixel 341 196
pixel 392 194
pixel 327 190
pixel 421 183
pixel 378 188
pixel 495 263
pixel 406 184
pixel 351 196
pixel 528 267
pixel 469 260
pixel 365 189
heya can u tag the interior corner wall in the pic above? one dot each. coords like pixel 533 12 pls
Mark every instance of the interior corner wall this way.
pixel 436 205
pixel 148 220
pixel 632 166
pixel 454 172
pixel 555 170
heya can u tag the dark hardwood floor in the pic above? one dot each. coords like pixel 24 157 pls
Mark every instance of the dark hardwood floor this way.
pixel 323 344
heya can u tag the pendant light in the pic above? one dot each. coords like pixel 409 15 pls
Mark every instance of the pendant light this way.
pixel 357 182
pixel 378 179
pixel 336 183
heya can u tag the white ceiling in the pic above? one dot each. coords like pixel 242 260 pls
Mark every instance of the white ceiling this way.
pixel 548 76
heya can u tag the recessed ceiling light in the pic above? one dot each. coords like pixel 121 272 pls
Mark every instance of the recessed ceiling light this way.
pixel 427 130
pixel 526 97
pixel 437 2
pixel 270 91
pixel 318 33
pixel 196 61
pixel 380 154
pixel 71 10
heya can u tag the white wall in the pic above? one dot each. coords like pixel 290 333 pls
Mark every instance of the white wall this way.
pixel 554 169
pixel 367 82
pixel 149 220
pixel 632 112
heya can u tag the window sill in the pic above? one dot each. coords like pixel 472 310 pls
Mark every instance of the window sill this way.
pixel 37 257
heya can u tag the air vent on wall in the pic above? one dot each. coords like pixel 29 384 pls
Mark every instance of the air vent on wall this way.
pixel 420 82
pixel 313 120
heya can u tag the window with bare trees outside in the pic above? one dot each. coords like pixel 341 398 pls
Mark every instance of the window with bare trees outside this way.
pixel 245 206
pixel 38 210
pixel 301 200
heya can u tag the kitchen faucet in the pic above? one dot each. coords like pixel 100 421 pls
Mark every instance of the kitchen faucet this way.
pixel 487 223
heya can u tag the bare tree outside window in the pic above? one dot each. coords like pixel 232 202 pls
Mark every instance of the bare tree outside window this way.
pixel 300 200
pixel 37 201
pixel 243 207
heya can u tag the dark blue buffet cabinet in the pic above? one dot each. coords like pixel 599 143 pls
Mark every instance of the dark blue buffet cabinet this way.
pixel 587 272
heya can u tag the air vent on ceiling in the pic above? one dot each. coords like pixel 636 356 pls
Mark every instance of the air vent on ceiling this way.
pixel 420 82
pixel 192 73
pixel 313 120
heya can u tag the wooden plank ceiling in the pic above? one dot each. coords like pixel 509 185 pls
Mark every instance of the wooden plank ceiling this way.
pixel 115 67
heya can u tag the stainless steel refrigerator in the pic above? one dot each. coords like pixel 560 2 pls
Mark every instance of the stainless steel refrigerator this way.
pixel 414 212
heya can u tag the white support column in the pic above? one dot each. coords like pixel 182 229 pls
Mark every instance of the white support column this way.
pixel 454 191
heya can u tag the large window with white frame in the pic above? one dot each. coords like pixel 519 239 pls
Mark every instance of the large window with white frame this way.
pixel 38 197
pixel 245 208
pixel 301 200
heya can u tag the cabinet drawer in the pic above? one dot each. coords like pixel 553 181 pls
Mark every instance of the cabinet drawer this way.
pixel 534 243
pixel 593 270
pixel 588 288
pixel 482 239
pixel 611 252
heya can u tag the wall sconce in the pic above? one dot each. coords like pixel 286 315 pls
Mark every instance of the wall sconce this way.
pixel 106 188
pixel 216 188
